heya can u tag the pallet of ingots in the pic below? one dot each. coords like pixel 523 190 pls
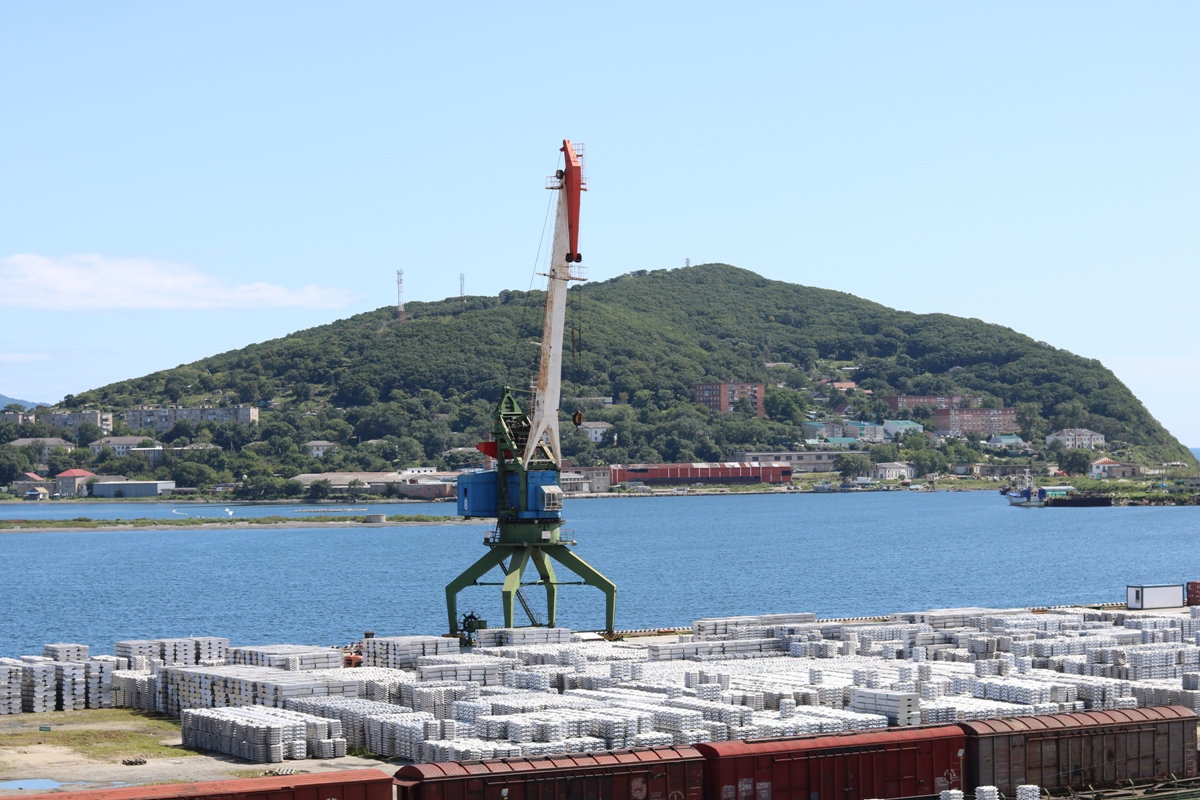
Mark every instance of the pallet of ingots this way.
pixel 65 652
pixel 263 735
pixel 39 686
pixel 176 652
pixel 1166 694
pixel 515 637
pixel 715 711
pixel 437 697
pixel 98 672
pixel 402 652
pixel 901 708
pixel 292 657
pixel 70 678
pixel 141 653
pixel 717 627
pixel 208 687
pixel 10 686
pixel 374 683
pixel 720 648
pixel 486 670
pixel 350 712
pixel 473 750
pixel 133 689
pixel 211 651
pixel 542 679
pixel 405 734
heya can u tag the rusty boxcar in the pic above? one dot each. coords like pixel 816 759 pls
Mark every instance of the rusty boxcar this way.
pixel 850 766
pixel 358 784
pixel 1089 748
pixel 654 773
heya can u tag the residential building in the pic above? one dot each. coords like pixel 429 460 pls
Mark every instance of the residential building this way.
pixel 958 421
pixel 1077 438
pixel 124 445
pixel 800 461
pixel 573 482
pixel 319 447
pixel 897 402
pixel 595 431
pixel 114 489
pixel 43 445
pixel 17 417
pixel 723 397
pixel 841 386
pixel 822 430
pixel 844 442
pixel 73 419
pixel 163 419
pixel 599 479
pixel 863 431
pixel 1006 440
pixel 896 428
pixel 73 482
pixel 893 470
pixel 29 482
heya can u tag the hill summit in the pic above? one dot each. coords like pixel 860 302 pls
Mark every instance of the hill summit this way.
pixel 643 339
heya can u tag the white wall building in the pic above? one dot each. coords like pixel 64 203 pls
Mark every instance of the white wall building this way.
pixel 1077 438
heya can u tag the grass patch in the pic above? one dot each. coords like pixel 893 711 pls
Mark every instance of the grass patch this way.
pixel 247 773
pixel 99 745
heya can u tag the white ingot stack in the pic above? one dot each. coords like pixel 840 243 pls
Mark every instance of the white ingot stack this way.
pixel 987 793
pixel 950 794
pixel 139 652
pixel 351 713
pixel 176 652
pixel 10 686
pixel 38 687
pixel 291 657
pixel 263 735
pixel 132 689
pixel 65 652
pixel 98 681
pixel 70 679
pixel 211 651
pixel 402 652
pixel 1029 792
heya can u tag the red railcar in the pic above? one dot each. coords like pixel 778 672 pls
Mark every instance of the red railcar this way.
pixel 850 766
pixel 655 773
pixel 358 784
pixel 722 472
pixel 1088 748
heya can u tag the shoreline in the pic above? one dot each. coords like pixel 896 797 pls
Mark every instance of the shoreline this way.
pixel 120 527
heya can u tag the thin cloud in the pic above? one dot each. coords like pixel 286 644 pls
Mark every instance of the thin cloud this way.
pixel 99 283
pixel 22 358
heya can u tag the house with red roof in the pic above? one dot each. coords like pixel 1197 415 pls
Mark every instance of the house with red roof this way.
pixel 73 482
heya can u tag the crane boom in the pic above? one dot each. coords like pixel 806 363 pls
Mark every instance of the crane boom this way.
pixel 563 252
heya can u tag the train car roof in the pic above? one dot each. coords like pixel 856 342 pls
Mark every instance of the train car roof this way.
pixel 1078 719
pixel 546 763
pixel 789 744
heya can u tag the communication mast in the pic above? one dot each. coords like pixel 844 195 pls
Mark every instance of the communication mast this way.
pixel 462 290
pixel 399 296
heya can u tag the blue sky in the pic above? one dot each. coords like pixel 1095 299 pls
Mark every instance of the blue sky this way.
pixel 182 179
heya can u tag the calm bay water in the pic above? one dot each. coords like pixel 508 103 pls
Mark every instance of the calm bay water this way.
pixel 673 559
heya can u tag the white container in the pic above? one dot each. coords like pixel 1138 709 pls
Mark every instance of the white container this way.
pixel 1160 596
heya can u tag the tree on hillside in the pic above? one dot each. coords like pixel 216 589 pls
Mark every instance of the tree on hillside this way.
pixel 1029 418
pixel 320 490
pixel 1076 462
pixel 851 465
pixel 13 462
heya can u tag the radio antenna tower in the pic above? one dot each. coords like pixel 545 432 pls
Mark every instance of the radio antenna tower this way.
pixel 462 290
pixel 399 296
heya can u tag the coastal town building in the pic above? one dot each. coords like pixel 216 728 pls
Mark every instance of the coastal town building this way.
pixel 722 397
pixel 317 448
pixel 864 431
pixel 114 489
pixel 18 417
pixel 43 445
pixel 800 461
pixel 897 402
pixel 987 421
pixel 1006 440
pixel 822 430
pixel 595 431
pixel 893 470
pixel 73 482
pixel 162 419
pixel 1077 438
pixel 1108 468
pixel 896 428
pixel 127 445
pixel 71 420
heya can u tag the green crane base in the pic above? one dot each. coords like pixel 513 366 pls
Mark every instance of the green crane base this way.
pixel 521 555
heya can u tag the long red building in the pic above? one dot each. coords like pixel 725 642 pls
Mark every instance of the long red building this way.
pixel 719 472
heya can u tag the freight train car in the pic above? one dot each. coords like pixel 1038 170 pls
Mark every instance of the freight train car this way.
pixel 1090 748
pixel 655 773
pixel 723 472
pixel 358 784
pixel 912 762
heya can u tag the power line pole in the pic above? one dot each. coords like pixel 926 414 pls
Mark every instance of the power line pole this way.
pixel 462 290
pixel 399 297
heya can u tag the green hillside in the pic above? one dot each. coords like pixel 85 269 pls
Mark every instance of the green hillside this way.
pixel 428 386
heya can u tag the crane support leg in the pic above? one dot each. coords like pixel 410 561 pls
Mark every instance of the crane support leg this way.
pixel 512 583
pixel 492 558
pixel 592 577
pixel 546 571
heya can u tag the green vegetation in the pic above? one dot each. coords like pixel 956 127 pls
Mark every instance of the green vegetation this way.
pixel 393 396
pixel 140 735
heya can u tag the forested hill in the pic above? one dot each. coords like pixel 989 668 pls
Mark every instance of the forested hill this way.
pixel 646 338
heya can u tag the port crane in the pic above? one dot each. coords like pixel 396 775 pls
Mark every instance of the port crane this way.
pixel 523 491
